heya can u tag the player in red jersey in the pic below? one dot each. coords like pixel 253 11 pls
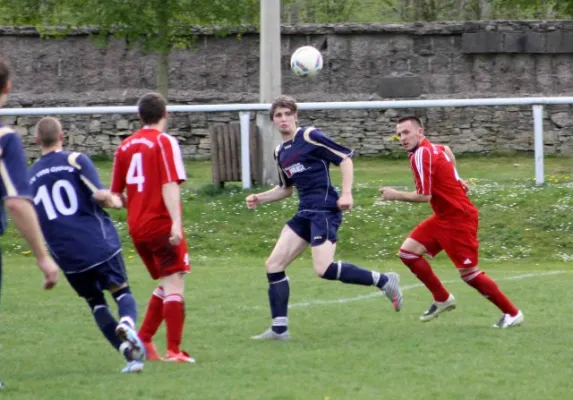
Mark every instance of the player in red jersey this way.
pixel 453 227
pixel 149 167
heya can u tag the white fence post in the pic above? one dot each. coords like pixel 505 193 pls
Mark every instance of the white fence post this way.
pixel 245 117
pixel 538 143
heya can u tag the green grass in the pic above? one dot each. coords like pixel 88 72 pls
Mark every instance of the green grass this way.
pixel 359 349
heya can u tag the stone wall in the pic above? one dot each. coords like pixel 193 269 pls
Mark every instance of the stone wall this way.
pixel 362 62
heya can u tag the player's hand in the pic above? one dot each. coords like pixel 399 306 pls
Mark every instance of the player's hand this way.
pixel 345 202
pixel 465 185
pixel 252 201
pixel 50 270
pixel 176 235
pixel 101 195
pixel 388 193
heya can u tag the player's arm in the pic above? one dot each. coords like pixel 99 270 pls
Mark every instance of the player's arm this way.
pixel 91 180
pixel 421 165
pixel 17 195
pixel 337 154
pixel 115 195
pixel 172 175
pixel 283 190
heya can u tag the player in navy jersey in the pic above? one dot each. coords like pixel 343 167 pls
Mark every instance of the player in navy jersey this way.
pixel 82 238
pixel 303 160
pixel 16 193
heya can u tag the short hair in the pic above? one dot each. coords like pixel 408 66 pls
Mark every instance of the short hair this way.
pixel 48 131
pixel 4 74
pixel 151 108
pixel 283 101
pixel 412 118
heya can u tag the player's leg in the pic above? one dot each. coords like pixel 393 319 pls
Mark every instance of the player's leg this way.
pixel 154 312
pixel 86 286
pixel 173 264
pixel 292 241
pixel 324 237
pixel 113 277
pixel 462 248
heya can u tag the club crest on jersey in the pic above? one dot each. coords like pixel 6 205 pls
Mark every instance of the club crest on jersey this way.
pixel 294 169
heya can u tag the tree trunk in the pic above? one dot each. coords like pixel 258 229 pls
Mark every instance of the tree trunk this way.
pixel 163 73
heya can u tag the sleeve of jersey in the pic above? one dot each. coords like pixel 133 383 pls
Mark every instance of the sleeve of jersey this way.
pixel 13 168
pixel 118 174
pixel 327 148
pixel 172 167
pixel 284 180
pixel 422 163
pixel 88 171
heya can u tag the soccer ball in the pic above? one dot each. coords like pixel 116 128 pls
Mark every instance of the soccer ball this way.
pixel 306 61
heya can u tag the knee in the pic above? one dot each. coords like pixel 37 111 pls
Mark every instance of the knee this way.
pixel 330 272
pixel 408 257
pixel 273 265
pixel 174 284
pixel 468 274
pixel 97 302
pixel 121 292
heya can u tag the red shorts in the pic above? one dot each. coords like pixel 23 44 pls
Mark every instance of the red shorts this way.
pixel 458 238
pixel 163 259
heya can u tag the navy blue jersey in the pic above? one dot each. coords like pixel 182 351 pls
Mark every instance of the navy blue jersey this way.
pixel 304 161
pixel 79 233
pixel 13 170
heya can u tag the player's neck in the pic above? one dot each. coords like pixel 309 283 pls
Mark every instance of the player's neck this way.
pixel 46 150
pixel 160 126
pixel 288 136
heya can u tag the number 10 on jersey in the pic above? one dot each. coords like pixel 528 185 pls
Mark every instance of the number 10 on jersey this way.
pixel 135 172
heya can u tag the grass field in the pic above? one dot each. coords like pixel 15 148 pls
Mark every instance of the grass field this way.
pixel 347 343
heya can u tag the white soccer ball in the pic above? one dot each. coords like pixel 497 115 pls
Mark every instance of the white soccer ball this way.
pixel 306 61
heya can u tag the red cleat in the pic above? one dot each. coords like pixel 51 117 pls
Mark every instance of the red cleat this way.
pixel 181 357
pixel 151 350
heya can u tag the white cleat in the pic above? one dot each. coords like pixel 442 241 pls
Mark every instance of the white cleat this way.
pixel 507 321
pixel 269 334
pixel 126 333
pixel 439 307
pixel 132 366
pixel 392 290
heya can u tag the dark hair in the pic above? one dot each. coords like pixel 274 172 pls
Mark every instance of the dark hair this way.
pixel 151 108
pixel 283 102
pixel 48 131
pixel 4 74
pixel 411 118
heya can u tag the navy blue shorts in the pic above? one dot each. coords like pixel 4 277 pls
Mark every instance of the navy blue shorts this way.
pixel 94 281
pixel 316 227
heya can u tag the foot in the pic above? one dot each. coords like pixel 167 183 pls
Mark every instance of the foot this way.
pixel 126 333
pixel 439 307
pixel 151 350
pixel 392 290
pixel 133 366
pixel 181 357
pixel 269 334
pixel 507 321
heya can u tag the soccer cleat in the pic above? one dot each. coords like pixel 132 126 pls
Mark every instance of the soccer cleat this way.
pixel 181 357
pixel 133 366
pixel 269 334
pixel 151 352
pixel 126 333
pixel 507 321
pixel 439 307
pixel 392 290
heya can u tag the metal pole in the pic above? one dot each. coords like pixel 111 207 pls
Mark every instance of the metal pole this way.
pixel 538 143
pixel 270 83
pixel 245 116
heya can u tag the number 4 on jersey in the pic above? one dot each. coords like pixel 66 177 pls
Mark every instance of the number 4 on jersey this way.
pixel 135 172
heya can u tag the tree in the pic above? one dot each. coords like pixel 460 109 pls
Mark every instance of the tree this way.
pixel 158 26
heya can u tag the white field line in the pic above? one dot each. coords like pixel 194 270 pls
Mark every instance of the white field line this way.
pixel 406 288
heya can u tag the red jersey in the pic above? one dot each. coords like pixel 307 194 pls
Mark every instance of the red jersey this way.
pixel 435 175
pixel 143 163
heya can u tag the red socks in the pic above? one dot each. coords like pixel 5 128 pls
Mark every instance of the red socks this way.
pixel 423 271
pixel 174 314
pixel 153 315
pixel 489 289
